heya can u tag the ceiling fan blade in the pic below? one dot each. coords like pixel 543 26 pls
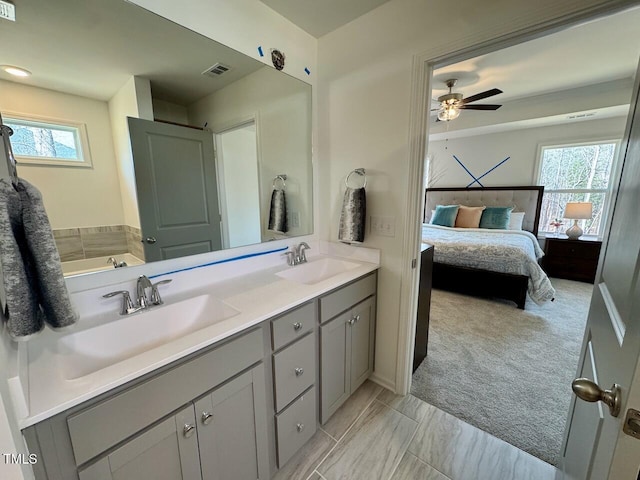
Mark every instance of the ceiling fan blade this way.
pixel 479 107
pixel 481 95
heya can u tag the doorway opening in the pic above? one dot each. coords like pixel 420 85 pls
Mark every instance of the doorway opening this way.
pixel 505 370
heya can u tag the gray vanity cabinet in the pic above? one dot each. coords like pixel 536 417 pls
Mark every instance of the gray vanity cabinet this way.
pixel 164 452
pixel 346 343
pixel 231 429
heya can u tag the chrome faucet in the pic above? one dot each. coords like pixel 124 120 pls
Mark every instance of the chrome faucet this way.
pixel 141 291
pixel 142 301
pixel 297 255
pixel 116 264
pixel 300 252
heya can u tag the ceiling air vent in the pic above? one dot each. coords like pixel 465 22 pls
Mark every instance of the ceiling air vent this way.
pixel 216 70
pixel 7 11
pixel 581 115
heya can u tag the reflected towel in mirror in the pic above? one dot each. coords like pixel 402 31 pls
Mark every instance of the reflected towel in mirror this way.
pixel 34 287
pixel 278 212
pixel 352 218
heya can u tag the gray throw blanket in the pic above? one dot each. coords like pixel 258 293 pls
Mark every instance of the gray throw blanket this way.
pixel 278 212
pixel 33 283
pixel 352 218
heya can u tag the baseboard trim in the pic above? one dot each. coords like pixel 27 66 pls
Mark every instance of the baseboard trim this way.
pixel 383 382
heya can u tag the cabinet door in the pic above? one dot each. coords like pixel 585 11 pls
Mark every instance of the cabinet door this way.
pixel 362 338
pixel 335 367
pixel 232 432
pixel 168 451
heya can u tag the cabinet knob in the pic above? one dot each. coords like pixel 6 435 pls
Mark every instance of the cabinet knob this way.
pixel 357 318
pixel 352 320
pixel 207 417
pixel 299 371
pixel 297 326
pixel 300 427
pixel 188 430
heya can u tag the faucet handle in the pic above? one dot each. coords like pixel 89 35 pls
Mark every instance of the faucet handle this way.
pixel 290 257
pixel 127 303
pixel 155 294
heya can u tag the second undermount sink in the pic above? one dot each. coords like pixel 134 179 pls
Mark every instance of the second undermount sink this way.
pixel 90 350
pixel 316 270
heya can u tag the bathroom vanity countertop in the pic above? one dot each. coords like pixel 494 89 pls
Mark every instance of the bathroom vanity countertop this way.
pixel 257 296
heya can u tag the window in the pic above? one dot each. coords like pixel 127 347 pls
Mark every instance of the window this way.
pixel 47 141
pixel 576 173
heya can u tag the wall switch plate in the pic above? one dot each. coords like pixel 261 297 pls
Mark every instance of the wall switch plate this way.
pixel 384 226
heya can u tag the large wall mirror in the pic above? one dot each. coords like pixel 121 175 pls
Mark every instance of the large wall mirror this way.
pixel 149 141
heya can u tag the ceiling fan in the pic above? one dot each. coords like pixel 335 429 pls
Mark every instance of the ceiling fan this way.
pixel 451 103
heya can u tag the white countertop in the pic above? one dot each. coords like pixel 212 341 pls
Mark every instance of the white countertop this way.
pixel 257 295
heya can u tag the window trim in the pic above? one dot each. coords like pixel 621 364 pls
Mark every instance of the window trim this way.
pixel 80 133
pixel 608 191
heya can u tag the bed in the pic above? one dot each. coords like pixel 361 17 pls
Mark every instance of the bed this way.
pixel 484 262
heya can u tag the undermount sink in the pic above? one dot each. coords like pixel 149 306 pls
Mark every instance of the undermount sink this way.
pixel 90 350
pixel 315 271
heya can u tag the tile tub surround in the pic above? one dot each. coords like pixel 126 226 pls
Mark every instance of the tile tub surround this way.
pixel 90 242
pixel 249 285
pixel 404 438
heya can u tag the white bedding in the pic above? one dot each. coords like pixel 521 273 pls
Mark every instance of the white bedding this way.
pixel 506 251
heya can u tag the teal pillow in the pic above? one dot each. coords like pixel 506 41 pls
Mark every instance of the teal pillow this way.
pixel 445 215
pixel 496 217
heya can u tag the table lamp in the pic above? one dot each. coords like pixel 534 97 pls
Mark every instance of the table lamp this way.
pixel 577 211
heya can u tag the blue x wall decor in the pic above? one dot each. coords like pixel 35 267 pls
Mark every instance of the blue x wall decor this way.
pixel 477 180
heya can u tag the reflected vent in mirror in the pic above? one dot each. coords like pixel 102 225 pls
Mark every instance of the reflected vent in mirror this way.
pixel 216 70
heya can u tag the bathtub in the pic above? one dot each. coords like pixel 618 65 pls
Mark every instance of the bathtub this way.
pixel 98 264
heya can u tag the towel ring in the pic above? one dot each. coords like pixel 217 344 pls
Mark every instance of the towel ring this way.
pixel 282 177
pixel 359 171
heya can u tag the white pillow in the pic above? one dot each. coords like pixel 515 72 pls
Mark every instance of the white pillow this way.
pixel 515 222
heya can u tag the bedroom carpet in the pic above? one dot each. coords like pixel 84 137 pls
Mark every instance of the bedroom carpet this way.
pixel 504 370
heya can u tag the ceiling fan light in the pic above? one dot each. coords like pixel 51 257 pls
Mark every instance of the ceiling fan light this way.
pixel 448 112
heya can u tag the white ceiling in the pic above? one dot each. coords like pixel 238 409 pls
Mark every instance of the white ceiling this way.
pixel 319 17
pixel 595 52
pixel 91 48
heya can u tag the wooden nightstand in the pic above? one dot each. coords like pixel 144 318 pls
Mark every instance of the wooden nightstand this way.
pixel 571 259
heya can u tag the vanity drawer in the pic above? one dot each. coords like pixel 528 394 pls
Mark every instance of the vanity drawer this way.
pixel 292 325
pixel 294 370
pixel 344 298
pixel 100 427
pixel 296 425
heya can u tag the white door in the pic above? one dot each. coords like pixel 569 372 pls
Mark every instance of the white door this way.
pixel 596 448
pixel 237 154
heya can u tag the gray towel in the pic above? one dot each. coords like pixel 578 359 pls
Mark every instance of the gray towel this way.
pixel 278 212
pixel 34 286
pixel 352 218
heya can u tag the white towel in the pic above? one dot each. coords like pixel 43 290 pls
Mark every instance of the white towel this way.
pixel 352 218
pixel 35 290
pixel 278 212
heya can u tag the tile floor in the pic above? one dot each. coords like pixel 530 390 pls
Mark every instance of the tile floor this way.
pixel 379 435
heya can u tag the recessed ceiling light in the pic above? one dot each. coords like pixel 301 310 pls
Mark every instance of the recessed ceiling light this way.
pixel 16 71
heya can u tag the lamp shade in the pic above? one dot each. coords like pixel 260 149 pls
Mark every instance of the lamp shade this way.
pixel 578 210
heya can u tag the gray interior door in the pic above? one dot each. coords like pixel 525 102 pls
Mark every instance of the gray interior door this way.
pixel 177 189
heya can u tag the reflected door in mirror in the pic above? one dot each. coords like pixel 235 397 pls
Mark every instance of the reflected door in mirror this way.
pixel 177 189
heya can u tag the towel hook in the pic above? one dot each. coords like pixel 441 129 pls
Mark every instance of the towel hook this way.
pixel 282 177
pixel 359 171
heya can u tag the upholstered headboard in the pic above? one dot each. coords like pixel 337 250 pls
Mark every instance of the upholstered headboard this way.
pixel 526 199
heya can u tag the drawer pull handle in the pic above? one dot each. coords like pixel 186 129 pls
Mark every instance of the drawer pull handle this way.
pixel 297 326
pixel 188 430
pixel 207 417
pixel 300 427
pixel 299 371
